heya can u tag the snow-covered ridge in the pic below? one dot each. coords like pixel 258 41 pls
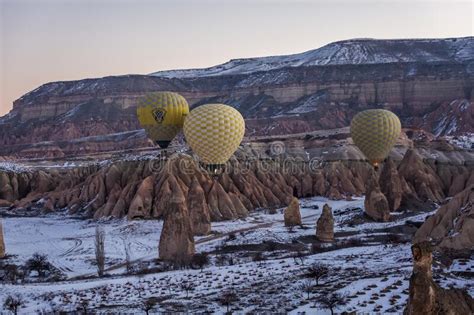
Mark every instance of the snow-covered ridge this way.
pixel 354 51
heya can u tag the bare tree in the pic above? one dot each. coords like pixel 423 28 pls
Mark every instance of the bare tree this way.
pixel 188 287
pixel 140 289
pixel 13 303
pixel 100 250
pixel 231 259
pixel 148 304
pixel 299 255
pixel 318 271
pixel 11 273
pixel 39 263
pixel 227 298
pixel 333 300
pixel 307 287
pixel 83 305
pixel 128 256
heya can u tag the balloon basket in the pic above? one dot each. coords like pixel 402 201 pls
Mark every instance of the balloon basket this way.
pixel 214 170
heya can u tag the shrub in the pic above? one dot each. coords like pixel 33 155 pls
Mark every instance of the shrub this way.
pixel 200 260
pixel 318 271
pixel 13 303
pixel 258 256
pixel 38 263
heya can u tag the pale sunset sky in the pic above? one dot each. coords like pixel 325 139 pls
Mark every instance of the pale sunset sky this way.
pixel 54 40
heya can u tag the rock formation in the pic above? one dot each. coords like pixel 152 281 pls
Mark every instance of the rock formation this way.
pixel 376 205
pixel 176 240
pixel 452 226
pixel 198 209
pixel 2 241
pixel 292 213
pixel 325 225
pixel 141 205
pixel 421 179
pixel 138 188
pixel 427 297
pixel 391 184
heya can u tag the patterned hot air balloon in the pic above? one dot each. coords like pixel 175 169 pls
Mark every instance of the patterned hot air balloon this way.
pixel 162 115
pixel 375 132
pixel 214 132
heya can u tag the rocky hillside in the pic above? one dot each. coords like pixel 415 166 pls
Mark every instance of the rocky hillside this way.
pixel 420 80
pixel 452 225
pixel 355 51
pixel 263 174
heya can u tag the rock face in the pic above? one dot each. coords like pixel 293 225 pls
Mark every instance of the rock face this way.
pixel 198 209
pixel 421 179
pixel 376 205
pixel 176 240
pixel 459 113
pixel 292 213
pixel 141 205
pixel 391 184
pixel 325 225
pixel 426 297
pixel 327 89
pixel 452 227
pixel 2 241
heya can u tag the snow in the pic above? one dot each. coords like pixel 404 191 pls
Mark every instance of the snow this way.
pixel 372 274
pixel 8 117
pixel 447 125
pixel 69 243
pixel 75 109
pixel 13 167
pixel 465 141
pixel 309 105
pixel 356 51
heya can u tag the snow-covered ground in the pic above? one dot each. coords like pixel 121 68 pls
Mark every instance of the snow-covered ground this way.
pixel 69 243
pixel 373 274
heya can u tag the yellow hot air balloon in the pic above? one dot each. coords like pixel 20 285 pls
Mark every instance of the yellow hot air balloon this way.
pixel 214 132
pixel 162 115
pixel 375 132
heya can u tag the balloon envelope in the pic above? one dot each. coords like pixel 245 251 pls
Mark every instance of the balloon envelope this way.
pixel 214 132
pixel 375 132
pixel 162 115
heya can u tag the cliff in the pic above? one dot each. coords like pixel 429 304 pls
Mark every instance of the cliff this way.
pixel 317 90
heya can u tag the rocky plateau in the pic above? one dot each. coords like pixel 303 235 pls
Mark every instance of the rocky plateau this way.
pixel 428 83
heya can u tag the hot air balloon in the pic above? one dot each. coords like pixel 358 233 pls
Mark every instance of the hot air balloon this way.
pixel 214 132
pixel 162 115
pixel 375 132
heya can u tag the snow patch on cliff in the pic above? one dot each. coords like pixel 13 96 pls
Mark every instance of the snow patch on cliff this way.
pixel 13 167
pixel 465 141
pixel 356 51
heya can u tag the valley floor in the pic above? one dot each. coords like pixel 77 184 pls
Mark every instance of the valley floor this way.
pixel 263 262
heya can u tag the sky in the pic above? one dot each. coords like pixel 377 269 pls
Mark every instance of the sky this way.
pixel 56 40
